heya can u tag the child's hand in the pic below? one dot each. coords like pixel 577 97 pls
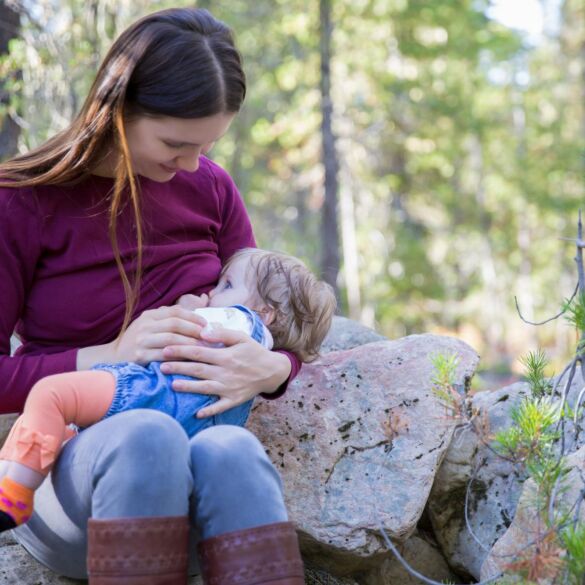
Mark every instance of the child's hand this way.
pixel 193 302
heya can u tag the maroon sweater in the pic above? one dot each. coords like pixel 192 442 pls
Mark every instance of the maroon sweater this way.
pixel 59 285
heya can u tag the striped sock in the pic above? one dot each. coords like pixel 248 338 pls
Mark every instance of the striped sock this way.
pixel 16 504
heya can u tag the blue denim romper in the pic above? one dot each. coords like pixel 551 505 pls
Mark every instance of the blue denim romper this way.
pixel 147 387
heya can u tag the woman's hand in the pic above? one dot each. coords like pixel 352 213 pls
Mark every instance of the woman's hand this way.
pixel 236 373
pixel 146 337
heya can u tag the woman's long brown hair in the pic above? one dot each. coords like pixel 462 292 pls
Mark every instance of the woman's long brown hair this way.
pixel 178 62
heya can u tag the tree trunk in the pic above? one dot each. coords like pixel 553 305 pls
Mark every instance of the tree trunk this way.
pixel 350 247
pixel 583 93
pixel 204 4
pixel 329 227
pixel 9 128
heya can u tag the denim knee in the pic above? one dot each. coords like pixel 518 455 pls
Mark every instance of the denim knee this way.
pixel 230 461
pixel 150 437
pixel 146 453
pixel 225 446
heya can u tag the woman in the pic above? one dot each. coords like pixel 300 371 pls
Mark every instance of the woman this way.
pixel 101 229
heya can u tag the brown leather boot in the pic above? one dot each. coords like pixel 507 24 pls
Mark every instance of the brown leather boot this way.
pixel 138 551
pixel 267 555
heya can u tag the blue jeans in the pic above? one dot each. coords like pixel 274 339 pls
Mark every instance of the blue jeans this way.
pixel 147 387
pixel 221 478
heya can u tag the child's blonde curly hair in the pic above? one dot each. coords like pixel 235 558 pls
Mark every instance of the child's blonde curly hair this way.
pixel 302 306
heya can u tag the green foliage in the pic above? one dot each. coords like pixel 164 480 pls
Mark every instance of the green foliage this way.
pixel 529 439
pixel 574 312
pixel 444 367
pixel 443 380
pixel 535 363
pixel 432 158
pixel 545 469
pixel 573 539
pixel 427 106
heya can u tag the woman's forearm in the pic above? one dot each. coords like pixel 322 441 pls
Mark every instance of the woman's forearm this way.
pixel 88 357
pixel 282 370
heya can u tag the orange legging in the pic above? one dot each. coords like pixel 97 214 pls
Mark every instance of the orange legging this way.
pixel 81 398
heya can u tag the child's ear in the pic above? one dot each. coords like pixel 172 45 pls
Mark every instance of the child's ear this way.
pixel 267 315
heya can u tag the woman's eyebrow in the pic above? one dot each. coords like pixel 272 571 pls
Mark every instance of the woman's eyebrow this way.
pixel 185 143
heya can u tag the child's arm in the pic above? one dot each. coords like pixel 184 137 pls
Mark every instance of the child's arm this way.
pixel 81 398
pixel 35 440
pixel 193 302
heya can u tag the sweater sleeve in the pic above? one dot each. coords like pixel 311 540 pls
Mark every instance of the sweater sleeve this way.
pixel 20 248
pixel 295 368
pixel 236 233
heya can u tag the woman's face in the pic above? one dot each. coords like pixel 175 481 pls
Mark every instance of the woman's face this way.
pixel 159 147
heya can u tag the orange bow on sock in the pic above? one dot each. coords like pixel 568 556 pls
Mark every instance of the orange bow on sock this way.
pixel 31 448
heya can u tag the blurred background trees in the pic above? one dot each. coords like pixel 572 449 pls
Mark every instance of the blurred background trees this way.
pixel 459 147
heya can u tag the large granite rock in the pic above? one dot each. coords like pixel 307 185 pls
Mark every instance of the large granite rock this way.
pixel 17 567
pixel 421 555
pixel 347 334
pixel 358 439
pixel 6 422
pixel 527 529
pixel 492 495
pixel 496 489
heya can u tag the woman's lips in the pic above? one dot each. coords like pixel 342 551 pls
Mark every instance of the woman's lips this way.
pixel 169 169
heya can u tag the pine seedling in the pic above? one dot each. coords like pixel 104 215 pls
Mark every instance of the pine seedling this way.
pixel 531 434
pixel 573 539
pixel 546 470
pixel 574 311
pixel 556 553
pixel 445 368
pixel 535 363
pixel 543 561
pixel 443 382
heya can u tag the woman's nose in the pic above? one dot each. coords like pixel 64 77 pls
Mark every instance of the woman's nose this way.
pixel 190 162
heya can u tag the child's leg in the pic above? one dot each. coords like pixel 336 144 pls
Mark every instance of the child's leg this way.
pixel 238 415
pixel 35 440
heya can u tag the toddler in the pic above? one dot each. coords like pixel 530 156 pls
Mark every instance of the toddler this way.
pixel 271 296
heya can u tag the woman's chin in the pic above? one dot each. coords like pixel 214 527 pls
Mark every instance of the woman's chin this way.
pixel 159 177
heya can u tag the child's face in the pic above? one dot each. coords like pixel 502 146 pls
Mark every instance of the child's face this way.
pixel 233 287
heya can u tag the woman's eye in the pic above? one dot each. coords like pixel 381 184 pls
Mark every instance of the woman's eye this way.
pixel 173 144
pixel 227 285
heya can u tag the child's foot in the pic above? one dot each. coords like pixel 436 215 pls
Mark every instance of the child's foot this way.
pixel 16 504
pixel 6 522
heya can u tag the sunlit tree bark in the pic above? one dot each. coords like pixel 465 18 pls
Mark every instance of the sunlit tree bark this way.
pixel 9 128
pixel 329 228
